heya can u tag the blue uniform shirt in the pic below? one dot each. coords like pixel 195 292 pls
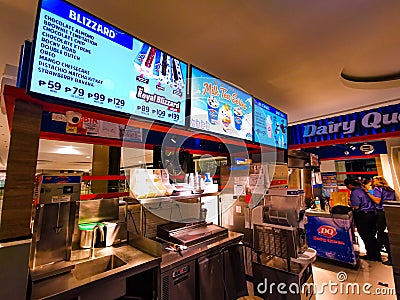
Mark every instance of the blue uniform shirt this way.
pixel 384 195
pixel 359 198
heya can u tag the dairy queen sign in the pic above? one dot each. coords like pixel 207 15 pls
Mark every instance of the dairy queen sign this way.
pixel 327 231
pixel 383 121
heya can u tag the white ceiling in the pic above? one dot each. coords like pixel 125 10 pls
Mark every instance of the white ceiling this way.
pixel 75 156
pixel 59 155
pixel 287 53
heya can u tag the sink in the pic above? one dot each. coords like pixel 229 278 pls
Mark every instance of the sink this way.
pixel 97 266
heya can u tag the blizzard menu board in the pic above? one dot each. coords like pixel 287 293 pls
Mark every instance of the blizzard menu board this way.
pixel 270 125
pixel 218 107
pixel 83 59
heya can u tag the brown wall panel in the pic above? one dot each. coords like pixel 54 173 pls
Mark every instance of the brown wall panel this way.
pixel 21 168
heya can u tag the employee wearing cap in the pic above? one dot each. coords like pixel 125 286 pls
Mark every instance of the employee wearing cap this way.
pixel 364 218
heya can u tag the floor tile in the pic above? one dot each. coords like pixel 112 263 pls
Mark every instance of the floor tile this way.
pixel 368 275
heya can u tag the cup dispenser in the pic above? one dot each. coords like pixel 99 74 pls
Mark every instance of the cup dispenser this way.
pixel 54 219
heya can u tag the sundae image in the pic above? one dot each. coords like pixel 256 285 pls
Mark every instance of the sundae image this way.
pixel 283 128
pixel 237 111
pixel 226 117
pixel 213 107
pixel 277 128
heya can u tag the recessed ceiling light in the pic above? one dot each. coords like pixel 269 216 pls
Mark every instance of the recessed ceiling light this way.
pixel 68 150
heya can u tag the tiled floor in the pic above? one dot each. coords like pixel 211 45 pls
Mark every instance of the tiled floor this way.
pixel 373 276
pixel 373 273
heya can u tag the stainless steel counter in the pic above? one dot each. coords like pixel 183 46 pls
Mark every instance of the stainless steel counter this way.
pixel 67 286
pixel 171 259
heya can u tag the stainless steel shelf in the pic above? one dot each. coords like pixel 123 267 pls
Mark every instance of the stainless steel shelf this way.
pixel 169 198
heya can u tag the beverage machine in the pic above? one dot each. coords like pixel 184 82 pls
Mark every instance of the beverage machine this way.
pixel 279 239
pixel 54 217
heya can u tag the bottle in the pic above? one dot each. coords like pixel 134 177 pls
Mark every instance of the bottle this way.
pixel 197 181
pixel 317 204
pixel 191 179
pixel 326 206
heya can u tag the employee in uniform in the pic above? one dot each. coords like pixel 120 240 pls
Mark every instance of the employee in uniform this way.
pixel 381 192
pixel 364 218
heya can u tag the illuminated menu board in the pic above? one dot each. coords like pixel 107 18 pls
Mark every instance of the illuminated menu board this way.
pixel 80 58
pixel 270 125
pixel 218 107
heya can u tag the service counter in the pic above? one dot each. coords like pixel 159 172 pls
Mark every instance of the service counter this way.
pixel 187 272
pixel 107 276
pixel 331 235
pixel 198 271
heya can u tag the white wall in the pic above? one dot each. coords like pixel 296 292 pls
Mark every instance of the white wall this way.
pixel 393 146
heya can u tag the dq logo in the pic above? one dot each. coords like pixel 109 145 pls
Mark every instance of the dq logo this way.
pixel 327 231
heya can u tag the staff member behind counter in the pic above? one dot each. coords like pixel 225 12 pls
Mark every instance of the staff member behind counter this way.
pixel 381 192
pixel 364 218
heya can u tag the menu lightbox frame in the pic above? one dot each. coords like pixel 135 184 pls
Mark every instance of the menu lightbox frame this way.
pixel 270 125
pixel 218 107
pixel 70 55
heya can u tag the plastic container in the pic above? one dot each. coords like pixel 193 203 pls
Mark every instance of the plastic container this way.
pixel 87 234
pixel 317 204
pixel 111 231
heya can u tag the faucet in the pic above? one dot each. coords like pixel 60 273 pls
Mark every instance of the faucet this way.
pixel 95 229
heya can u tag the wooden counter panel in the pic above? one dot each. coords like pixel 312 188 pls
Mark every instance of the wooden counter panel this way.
pixel 21 168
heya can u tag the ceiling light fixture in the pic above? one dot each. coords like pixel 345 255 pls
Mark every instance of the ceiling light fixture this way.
pixel 371 82
pixel 68 150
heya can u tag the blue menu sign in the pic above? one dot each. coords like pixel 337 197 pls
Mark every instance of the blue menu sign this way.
pixel 80 58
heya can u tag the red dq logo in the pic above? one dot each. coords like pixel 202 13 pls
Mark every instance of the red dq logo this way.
pixel 327 231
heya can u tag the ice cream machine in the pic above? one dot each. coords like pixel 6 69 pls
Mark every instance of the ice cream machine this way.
pixel 54 216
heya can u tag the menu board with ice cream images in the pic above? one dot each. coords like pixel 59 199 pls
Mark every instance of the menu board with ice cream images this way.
pixel 79 58
pixel 218 107
pixel 270 125
pixel 160 81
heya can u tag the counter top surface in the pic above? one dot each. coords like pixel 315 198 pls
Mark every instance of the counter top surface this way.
pixel 326 214
pixel 170 198
pixel 66 284
pixel 171 259
pixel 136 262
